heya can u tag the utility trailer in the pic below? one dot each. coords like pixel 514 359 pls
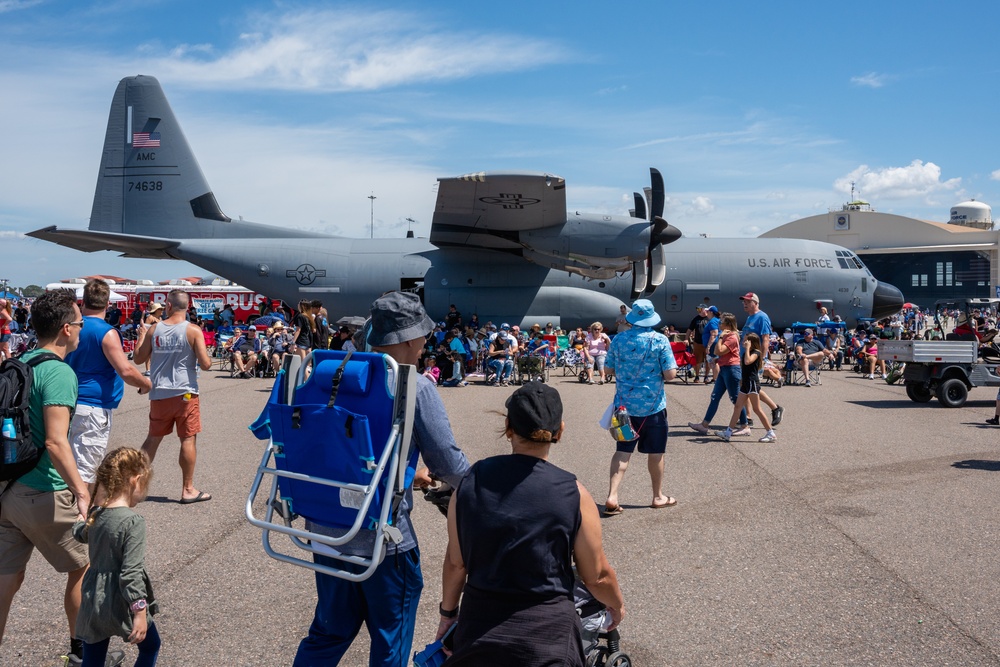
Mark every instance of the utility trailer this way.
pixel 944 368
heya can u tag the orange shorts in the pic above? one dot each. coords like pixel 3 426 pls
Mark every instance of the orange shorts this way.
pixel 166 412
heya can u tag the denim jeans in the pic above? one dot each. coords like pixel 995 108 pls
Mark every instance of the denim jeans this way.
pixel 728 380
pixel 502 367
pixel 386 602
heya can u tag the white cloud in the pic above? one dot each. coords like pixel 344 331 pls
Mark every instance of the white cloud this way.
pixel 15 5
pixel 10 234
pixel 702 205
pixel 995 175
pixel 751 230
pixel 871 80
pixel 332 50
pixel 914 180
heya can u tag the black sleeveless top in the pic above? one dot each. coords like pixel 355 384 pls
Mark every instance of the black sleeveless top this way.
pixel 517 518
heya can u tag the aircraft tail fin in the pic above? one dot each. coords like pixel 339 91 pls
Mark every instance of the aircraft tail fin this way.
pixel 149 182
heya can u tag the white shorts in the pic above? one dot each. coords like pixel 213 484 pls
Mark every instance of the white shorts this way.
pixel 88 435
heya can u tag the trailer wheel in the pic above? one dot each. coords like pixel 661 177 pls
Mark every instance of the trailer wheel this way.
pixel 952 393
pixel 918 393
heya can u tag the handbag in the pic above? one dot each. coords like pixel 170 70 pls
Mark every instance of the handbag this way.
pixel 617 422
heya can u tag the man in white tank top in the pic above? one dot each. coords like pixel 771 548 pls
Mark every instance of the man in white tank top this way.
pixel 175 349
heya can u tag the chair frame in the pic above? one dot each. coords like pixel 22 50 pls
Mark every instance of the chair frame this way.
pixel 391 464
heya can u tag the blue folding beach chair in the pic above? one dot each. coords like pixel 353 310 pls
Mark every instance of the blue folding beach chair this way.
pixel 339 456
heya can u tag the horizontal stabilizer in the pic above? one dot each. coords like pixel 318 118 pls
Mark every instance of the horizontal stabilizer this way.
pixel 146 247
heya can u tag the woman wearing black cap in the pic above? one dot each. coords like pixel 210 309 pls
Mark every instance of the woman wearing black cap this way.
pixel 516 525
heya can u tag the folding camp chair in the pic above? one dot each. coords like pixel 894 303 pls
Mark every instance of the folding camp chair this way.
pixel 685 361
pixel 339 455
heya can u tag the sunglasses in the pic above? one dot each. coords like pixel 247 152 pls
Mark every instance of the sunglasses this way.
pixel 76 324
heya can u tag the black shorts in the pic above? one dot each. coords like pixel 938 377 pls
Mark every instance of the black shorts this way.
pixel 750 383
pixel 652 431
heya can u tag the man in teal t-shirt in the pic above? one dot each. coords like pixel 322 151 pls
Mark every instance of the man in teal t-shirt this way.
pixel 39 509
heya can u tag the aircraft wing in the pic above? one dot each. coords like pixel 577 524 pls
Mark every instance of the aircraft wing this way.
pixel 489 209
pixel 145 247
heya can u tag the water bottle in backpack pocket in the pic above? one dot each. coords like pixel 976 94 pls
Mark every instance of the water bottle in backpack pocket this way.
pixel 20 453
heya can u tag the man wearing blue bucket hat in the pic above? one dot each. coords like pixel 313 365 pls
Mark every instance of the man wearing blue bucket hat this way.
pixel 642 361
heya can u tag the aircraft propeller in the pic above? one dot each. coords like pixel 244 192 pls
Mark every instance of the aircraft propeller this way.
pixel 650 274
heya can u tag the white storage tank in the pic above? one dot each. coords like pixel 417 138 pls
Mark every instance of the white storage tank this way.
pixel 972 213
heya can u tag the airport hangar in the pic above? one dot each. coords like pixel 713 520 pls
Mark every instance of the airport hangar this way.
pixel 928 261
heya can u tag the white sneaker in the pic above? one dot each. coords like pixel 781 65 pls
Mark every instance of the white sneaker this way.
pixel 769 437
pixel 743 431
pixel 723 435
pixel 883 376
pixel 697 426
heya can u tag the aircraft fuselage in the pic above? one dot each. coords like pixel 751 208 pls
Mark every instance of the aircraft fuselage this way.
pixel 791 276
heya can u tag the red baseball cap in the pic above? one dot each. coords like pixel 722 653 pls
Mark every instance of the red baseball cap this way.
pixel 750 296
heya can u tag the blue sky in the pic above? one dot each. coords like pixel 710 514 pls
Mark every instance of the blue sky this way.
pixel 756 113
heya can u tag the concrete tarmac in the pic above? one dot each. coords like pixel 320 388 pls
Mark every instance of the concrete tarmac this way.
pixel 867 535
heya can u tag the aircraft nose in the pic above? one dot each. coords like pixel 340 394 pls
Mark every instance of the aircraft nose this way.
pixel 886 301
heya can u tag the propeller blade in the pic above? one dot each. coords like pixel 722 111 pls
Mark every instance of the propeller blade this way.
pixel 640 206
pixel 657 267
pixel 649 199
pixel 659 194
pixel 638 279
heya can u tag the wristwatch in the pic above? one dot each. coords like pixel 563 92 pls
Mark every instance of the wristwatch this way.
pixel 138 605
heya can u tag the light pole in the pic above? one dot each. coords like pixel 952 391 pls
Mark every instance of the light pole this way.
pixel 372 197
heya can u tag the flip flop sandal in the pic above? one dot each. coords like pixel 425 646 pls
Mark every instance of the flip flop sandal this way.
pixel 613 511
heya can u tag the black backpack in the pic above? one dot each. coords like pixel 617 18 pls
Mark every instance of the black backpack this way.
pixel 15 393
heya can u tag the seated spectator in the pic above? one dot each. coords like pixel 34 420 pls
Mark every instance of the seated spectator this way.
pixel 772 372
pixel 578 341
pixel 964 329
pixel 337 341
pixel 456 354
pixel 810 352
pixel 431 370
pixel 597 351
pixel 871 358
pixel 833 344
pixel 501 356
pixel 261 350
pixel 241 349
pixel 280 341
pixel 538 346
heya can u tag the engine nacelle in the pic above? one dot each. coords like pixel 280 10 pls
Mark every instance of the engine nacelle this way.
pixel 606 242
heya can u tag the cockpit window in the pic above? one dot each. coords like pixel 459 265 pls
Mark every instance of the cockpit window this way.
pixel 848 260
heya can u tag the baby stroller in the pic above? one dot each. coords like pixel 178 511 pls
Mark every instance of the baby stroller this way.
pixel 600 648
pixel 531 367
pixel 685 360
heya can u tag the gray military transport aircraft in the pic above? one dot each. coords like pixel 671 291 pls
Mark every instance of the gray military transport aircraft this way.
pixel 502 244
